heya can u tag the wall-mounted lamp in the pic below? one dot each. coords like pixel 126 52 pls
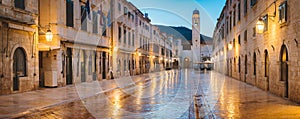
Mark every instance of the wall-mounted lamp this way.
pixel 260 26
pixel 49 35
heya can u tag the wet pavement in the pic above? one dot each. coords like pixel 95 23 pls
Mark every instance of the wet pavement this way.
pixel 166 94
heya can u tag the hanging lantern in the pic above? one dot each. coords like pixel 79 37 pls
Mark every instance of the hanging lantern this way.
pixel 260 26
pixel 49 35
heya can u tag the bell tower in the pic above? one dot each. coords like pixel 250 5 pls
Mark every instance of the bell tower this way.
pixel 196 28
pixel 196 36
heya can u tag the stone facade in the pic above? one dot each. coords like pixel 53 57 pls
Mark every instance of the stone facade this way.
pixel 79 51
pixel 92 40
pixel 267 60
pixel 18 34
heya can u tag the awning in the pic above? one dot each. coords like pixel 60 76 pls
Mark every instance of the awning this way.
pixel 46 47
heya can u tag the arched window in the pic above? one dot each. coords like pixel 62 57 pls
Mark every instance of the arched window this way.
pixel 234 64
pixel 19 64
pixel 254 63
pixel 266 63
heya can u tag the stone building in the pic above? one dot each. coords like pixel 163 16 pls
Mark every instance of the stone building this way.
pixel 135 41
pixel 79 51
pixel 18 46
pixel 54 43
pixel 256 41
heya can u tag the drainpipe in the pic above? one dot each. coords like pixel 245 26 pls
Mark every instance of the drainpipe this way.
pixel 7 37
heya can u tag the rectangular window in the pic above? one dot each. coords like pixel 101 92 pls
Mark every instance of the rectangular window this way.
pixel 119 6
pixel 70 13
pixel 239 39
pixel 245 7
pixel 133 39
pixel 239 11
pixel 95 22
pixel 254 32
pixel 83 18
pixel 233 43
pixel 265 20
pixel 227 28
pixel 124 35
pixel 253 2
pixel 129 39
pixel 20 4
pixel 125 10
pixel 230 22
pixel 120 34
pixel 245 36
pixel 132 18
pixel 234 17
pixel 283 12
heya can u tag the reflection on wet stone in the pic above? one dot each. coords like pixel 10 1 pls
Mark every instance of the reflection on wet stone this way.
pixel 206 95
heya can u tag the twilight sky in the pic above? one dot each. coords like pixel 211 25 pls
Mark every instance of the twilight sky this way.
pixel 179 12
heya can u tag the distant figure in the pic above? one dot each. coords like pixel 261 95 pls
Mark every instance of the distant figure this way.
pixel 111 73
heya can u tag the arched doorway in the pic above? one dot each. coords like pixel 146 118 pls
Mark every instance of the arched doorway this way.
pixel 186 63
pixel 239 66
pixel 284 69
pixel 267 68
pixel 230 67
pixel 19 67
pixel 246 68
pixel 254 64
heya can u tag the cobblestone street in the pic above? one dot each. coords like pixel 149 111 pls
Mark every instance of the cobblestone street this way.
pixel 167 94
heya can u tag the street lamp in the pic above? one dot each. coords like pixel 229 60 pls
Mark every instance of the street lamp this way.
pixel 49 35
pixel 260 26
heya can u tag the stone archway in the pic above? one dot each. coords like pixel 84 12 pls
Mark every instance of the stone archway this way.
pixel 19 67
pixel 266 67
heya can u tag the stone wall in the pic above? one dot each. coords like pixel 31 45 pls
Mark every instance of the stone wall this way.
pixel 271 41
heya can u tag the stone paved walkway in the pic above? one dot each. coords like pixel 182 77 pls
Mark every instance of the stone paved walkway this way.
pixel 15 105
pixel 224 97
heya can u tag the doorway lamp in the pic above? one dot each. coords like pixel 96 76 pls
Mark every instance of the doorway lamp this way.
pixel 48 34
